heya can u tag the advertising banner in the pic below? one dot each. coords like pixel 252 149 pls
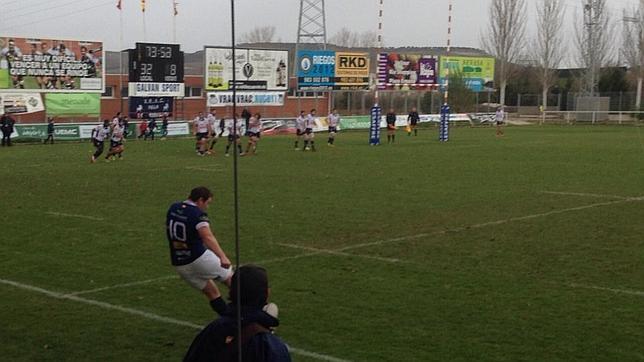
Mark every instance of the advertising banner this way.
pixel 150 107
pixel 156 89
pixel 351 71
pixel 374 130
pixel 326 70
pixel 256 69
pixel 51 65
pixel 20 103
pixel 73 104
pixel 407 71
pixel 316 70
pixel 244 99
pixel 1 105
pixel 478 72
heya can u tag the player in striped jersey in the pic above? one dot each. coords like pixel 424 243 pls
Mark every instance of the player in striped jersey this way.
pixel 309 136
pixel 201 130
pixel 333 120
pixel 300 127
pixel 234 127
pixel 254 133
pixel 212 120
pixel 116 143
pixel 99 134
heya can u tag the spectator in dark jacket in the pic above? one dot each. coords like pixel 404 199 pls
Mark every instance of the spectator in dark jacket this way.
pixel 6 126
pixel 218 340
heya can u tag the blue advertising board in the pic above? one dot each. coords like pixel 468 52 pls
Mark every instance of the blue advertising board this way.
pixel 316 70
pixel 150 107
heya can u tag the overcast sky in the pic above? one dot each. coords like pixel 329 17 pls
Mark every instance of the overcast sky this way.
pixel 201 22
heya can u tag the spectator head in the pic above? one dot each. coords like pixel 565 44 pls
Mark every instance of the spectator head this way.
pixel 254 289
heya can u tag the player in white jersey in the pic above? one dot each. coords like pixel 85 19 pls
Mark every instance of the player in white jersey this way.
pixel 254 133
pixel 201 130
pixel 300 127
pixel 99 134
pixel 234 128
pixel 116 143
pixel 308 131
pixel 334 121
pixel 212 120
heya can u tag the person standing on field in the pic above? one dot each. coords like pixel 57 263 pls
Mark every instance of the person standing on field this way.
pixel 195 253
pixel 334 121
pixel 6 126
pixel 391 126
pixel 50 131
pixel 412 122
pixel 499 120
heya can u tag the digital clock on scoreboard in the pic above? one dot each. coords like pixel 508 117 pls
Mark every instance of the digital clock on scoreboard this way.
pixel 156 63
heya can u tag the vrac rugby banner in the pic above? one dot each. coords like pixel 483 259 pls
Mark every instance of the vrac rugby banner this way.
pixel 255 69
pixel 225 99
pixel 407 71
pixel 325 70
pixel 51 65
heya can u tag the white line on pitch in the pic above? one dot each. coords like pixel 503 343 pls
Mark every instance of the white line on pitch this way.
pixel 62 214
pixel 336 252
pixel 583 194
pixel 143 314
pixel 617 291
pixel 207 169
pixel 491 223
pixel 122 285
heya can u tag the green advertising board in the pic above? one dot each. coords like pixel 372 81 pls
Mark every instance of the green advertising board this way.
pixel 478 72
pixel 73 104
pixel 355 122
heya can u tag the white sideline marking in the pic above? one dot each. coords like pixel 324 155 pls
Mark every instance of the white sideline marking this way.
pixel 197 168
pixel 62 214
pixel 583 194
pixel 617 291
pixel 337 252
pixel 143 314
pixel 122 285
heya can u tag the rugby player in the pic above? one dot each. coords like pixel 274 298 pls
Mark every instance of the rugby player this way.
pixel 99 133
pixel 333 120
pixel 116 143
pixel 195 253
pixel 308 131
pixel 201 130
pixel 234 127
pixel 254 133
pixel 412 122
pixel 212 120
pixel 391 126
pixel 300 126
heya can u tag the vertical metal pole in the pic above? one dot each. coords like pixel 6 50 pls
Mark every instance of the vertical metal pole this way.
pixel 236 179
pixel 120 62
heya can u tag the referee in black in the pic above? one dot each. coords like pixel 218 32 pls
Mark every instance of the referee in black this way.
pixel 6 126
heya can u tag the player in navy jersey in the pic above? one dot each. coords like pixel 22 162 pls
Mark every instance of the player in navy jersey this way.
pixel 194 250
pixel 412 122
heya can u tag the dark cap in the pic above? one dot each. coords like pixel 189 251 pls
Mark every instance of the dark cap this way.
pixel 254 286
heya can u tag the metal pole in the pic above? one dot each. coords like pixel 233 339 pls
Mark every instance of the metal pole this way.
pixel 236 180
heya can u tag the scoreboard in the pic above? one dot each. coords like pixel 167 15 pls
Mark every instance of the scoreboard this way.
pixel 153 62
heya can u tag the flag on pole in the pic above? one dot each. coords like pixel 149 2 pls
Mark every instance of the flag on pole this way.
pixel 118 6
pixel 174 6
pixel 142 5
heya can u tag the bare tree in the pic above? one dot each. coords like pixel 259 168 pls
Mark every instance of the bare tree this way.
pixel 368 39
pixel 548 48
pixel 347 38
pixel 594 42
pixel 260 34
pixel 505 38
pixel 633 47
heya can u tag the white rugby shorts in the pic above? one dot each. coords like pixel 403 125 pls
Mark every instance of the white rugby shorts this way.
pixel 205 268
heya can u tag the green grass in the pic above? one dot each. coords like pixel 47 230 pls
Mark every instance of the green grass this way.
pixel 461 287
